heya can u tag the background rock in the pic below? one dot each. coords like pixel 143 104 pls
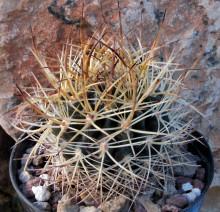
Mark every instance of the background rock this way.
pixel 212 200
pixel 193 22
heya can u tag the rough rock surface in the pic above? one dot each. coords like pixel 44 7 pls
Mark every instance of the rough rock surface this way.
pixel 198 184
pixel 118 204
pixel 177 200
pixel 90 209
pixel 187 165
pixel 193 22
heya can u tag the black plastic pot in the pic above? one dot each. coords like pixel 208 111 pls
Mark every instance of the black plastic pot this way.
pixel 14 166
pixel 201 149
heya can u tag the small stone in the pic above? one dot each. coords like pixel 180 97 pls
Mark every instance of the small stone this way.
pixel 149 192
pixel 170 187
pixel 182 180
pixel 198 184
pixel 90 209
pixel 197 191
pixel 200 174
pixel 45 177
pixel 41 193
pixel 42 205
pixel 184 169
pixel 117 204
pixel 148 205
pixel 67 198
pixel 191 196
pixel 25 176
pixel 24 160
pixel 177 200
pixel 187 187
pixel 28 151
pixel 61 207
pixel 27 187
pixel 55 197
pixel 151 207
pixel 38 160
pixel 170 208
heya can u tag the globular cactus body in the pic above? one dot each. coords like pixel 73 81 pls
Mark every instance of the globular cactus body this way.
pixel 112 116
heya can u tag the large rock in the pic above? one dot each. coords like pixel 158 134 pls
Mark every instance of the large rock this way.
pixel 193 22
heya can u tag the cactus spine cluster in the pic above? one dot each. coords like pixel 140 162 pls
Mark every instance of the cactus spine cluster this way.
pixel 111 117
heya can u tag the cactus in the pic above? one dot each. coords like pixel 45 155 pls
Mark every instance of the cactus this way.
pixel 112 117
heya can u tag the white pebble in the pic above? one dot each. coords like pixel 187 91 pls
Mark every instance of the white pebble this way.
pixel 187 187
pixel 196 191
pixel 45 177
pixel 24 177
pixel 41 193
pixel 191 196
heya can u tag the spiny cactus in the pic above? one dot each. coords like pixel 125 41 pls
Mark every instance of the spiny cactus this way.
pixel 112 117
